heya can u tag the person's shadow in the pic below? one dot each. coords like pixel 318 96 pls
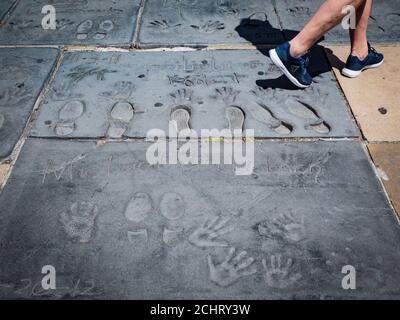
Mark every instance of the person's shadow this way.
pixel 261 32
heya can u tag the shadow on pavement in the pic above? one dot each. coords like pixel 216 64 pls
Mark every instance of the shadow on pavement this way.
pixel 334 60
pixel 256 32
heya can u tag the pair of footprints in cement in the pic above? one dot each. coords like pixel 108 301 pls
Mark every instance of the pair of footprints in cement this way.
pixel 298 108
pixel 295 106
pixel 141 206
pixel 120 117
pixel 278 273
pixel 172 207
pixel 105 27
pixel 181 117
pixel 236 117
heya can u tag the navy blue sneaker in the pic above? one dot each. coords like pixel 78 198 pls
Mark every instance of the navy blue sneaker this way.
pixel 355 66
pixel 295 69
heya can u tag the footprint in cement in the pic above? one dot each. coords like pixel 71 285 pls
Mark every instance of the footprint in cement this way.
pixel 138 237
pixel 172 206
pixel 1 120
pixel 121 115
pixel 139 207
pixel 67 116
pixel 305 111
pixel 105 28
pixel 264 115
pixel 181 118
pixel 84 29
pixel 235 117
pixel 172 237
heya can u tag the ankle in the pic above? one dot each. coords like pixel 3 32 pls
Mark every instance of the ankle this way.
pixel 361 52
pixel 297 50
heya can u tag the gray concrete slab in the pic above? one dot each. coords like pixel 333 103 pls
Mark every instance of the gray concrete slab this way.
pixel 80 22
pixel 23 73
pixel 385 21
pixel 200 23
pixel 384 24
pixel 115 227
pixel 127 94
pixel 5 6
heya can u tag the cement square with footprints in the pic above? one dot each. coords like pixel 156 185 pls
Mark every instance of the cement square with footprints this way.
pixel 23 74
pixel 116 227
pixel 78 22
pixel 169 23
pixel 119 95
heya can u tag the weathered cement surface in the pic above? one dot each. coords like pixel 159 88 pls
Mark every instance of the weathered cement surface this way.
pixel 85 22
pixel 385 21
pixel 384 24
pixel 201 23
pixel 115 227
pixel 127 94
pixel 23 73
pixel 5 5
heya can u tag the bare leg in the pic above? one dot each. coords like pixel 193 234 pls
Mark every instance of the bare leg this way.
pixel 359 46
pixel 327 17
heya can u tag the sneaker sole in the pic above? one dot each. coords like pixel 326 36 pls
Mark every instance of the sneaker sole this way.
pixel 278 62
pixel 354 74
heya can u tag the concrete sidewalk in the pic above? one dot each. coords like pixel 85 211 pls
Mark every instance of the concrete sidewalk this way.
pixel 78 192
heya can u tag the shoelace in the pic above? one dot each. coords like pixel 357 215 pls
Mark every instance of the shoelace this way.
pixel 372 50
pixel 304 62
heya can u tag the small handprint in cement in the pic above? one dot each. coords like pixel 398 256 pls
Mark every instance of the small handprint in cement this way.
pixel 79 221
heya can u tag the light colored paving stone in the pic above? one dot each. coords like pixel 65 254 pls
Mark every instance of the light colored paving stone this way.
pixel 374 97
pixel 3 172
pixel 387 160
pixel 114 226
